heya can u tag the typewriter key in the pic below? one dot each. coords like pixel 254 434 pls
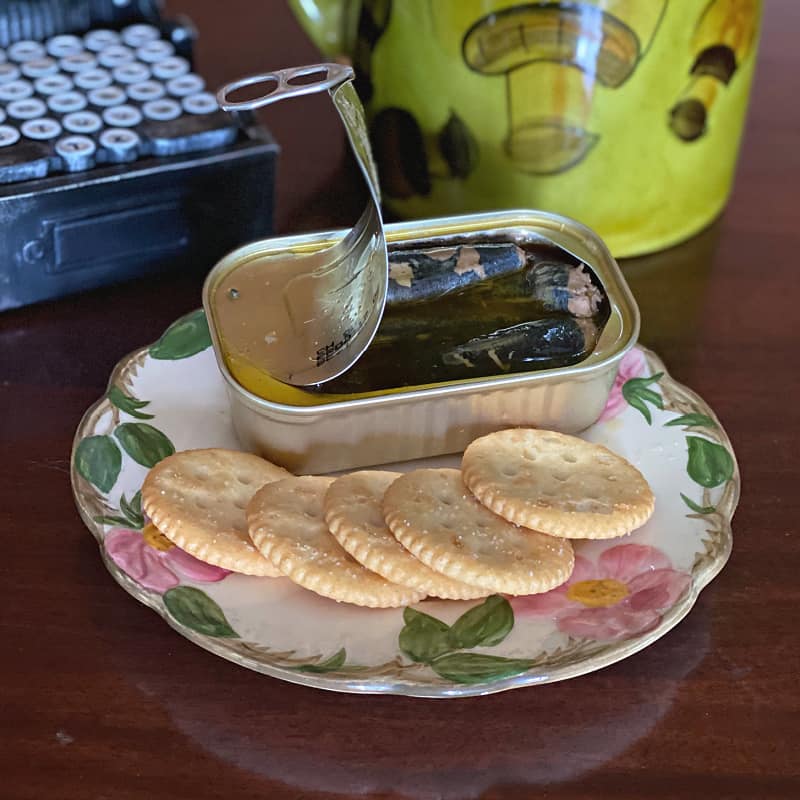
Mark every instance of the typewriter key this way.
pixel 41 129
pixel 186 85
pixel 16 90
pixel 65 45
pixel 93 79
pixel 120 145
pixel 122 116
pixel 53 84
pixel 26 109
pixel 161 110
pixel 100 39
pixel 107 97
pixel 145 91
pixel 77 152
pixel 8 135
pixel 39 67
pixel 67 102
pixel 172 67
pixel 82 122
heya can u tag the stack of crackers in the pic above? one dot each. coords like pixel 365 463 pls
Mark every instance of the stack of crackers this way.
pixel 501 524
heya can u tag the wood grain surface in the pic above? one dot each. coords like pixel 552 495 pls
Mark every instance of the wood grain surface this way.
pixel 100 699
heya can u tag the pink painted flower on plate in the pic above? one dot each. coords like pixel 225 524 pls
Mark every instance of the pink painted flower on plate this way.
pixel 633 365
pixel 154 562
pixel 623 594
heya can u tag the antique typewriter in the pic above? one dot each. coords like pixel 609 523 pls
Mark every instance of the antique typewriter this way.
pixel 115 159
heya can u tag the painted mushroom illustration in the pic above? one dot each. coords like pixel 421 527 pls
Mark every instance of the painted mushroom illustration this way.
pixel 552 55
pixel 408 160
pixel 724 37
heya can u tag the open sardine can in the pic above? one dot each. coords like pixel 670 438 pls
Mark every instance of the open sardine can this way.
pixel 493 320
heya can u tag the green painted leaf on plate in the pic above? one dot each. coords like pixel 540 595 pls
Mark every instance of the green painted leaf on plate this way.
pixel 98 460
pixel 484 625
pixel 132 510
pixel 698 509
pixel 692 421
pixel 130 405
pixel 186 337
pixel 145 444
pixel 423 637
pixel 478 667
pixel 637 395
pixel 709 464
pixel 196 610
pixel 335 662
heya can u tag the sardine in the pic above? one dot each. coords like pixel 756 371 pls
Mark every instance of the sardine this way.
pixel 416 275
pixel 539 344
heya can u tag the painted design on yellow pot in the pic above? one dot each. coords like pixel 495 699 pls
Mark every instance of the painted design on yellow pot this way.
pixel 552 54
pixel 724 37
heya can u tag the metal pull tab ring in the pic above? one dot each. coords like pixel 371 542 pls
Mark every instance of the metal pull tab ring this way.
pixel 333 75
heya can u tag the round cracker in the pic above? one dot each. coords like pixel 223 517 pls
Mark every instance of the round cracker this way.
pixel 433 515
pixel 286 523
pixel 197 499
pixel 557 484
pixel 355 518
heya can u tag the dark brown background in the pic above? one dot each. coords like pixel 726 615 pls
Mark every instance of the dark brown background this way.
pixel 100 699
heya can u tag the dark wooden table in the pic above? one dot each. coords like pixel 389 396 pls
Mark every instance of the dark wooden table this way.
pixel 100 699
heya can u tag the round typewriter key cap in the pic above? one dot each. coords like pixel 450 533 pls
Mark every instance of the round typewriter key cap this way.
pixel 186 85
pixel 26 50
pixel 8 73
pixel 100 39
pixel 15 90
pixel 93 79
pixel 201 103
pixel 41 129
pixel 120 145
pixel 115 55
pixel 146 90
pixel 82 122
pixel 138 35
pixel 131 73
pixel 64 45
pixel 8 135
pixel 122 116
pixel 67 102
pixel 80 62
pixel 152 52
pixel 39 67
pixel 77 152
pixel 53 84
pixel 161 110
pixel 172 67
pixel 26 109
pixel 107 97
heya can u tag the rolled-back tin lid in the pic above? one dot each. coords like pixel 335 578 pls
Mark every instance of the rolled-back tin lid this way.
pixel 321 306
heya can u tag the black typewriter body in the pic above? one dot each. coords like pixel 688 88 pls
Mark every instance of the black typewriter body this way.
pixel 115 160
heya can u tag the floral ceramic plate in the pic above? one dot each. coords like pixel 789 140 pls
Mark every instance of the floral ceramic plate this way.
pixel 622 596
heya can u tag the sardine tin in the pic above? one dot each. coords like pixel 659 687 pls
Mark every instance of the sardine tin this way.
pixel 441 419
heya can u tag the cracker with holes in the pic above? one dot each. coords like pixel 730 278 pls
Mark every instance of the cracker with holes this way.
pixel 557 484
pixel 433 515
pixel 354 516
pixel 197 499
pixel 286 522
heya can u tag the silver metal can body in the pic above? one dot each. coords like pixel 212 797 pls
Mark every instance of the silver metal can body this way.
pixel 441 419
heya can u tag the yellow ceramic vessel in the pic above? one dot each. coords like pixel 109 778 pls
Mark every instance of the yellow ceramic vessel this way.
pixel 623 114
